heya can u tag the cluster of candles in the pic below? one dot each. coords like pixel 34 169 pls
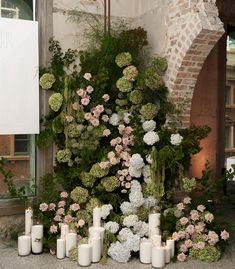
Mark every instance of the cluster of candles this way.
pixel 87 253
pixel 153 250
pixel 32 239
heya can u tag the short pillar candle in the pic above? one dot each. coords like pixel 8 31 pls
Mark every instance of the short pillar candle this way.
pixel 84 254
pixel 158 257
pixel 37 238
pixel 71 242
pixel 60 248
pixel 171 243
pixel 24 245
pixel 146 251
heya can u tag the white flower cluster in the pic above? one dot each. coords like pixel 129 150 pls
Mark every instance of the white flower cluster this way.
pixel 176 139
pixel 124 234
pixel 149 125
pixel 112 226
pixel 119 253
pixel 150 138
pixel 105 210
pixel 150 202
pixel 136 165
pixel 130 221
pixel 127 208
pixel 127 117
pixel 129 240
pixel 136 196
pixel 114 119
pixel 141 228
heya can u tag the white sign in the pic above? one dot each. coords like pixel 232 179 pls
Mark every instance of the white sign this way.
pixel 19 77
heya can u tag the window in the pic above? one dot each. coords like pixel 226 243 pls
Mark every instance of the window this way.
pixel 21 144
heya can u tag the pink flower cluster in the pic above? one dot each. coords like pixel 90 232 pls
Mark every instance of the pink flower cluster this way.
pixel 94 115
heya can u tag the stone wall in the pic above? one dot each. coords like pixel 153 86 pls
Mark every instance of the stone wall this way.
pixel 10 226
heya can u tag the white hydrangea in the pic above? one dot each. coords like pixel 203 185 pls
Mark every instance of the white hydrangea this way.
pixel 137 161
pixel 149 125
pixel 112 226
pixel 133 243
pixel 137 227
pixel 118 252
pixel 130 221
pixel 150 138
pixel 150 202
pixel 127 208
pixel 176 139
pixel 114 119
pixel 124 234
pixel 127 117
pixel 135 185
pixel 141 228
pixel 105 210
pixel 136 198
pixel 147 174
pixel 133 172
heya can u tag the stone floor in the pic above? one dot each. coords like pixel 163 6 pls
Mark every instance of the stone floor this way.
pixel 9 259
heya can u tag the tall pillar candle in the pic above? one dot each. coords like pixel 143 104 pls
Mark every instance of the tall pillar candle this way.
pixel 60 248
pixel 24 245
pixel 156 240
pixel 84 254
pixel 93 231
pixel 171 243
pixel 96 216
pixel 158 257
pixel 37 238
pixel 154 221
pixel 96 244
pixel 167 254
pixel 64 230
pixel 146 251
pixel 71 242
pixel 28 220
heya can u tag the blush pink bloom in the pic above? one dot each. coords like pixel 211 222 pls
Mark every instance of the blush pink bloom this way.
pixel 190 229
pixel 81 92
pixel 104 165
pixel 87 116
pixel 180 206
pixel 200 245
pixel 61 204
pixel 121 128
pixel 182 234
pixel 69 118
pixel 118 140
pixel 125 141
pixel 183 221
pixel 53 229
pixel 81 223
pixel 105 118
pixel 74 207
pixel 118 148
pixel 194 215
pixel 106 132
pixel 95 122
pixel 75 106
pixel 64 194
pixel 106 97
pixel 224 235
pixel 175 236
pixel 111 154
pixel 183 248
pixel 209 217
pixel 57 218
pixel 43 207
pixel 60 211
pixel 85 101
pixel 100 108
pixel 87 76
pixel 128 130
pixel 199 227
pixel 113 160
pixel 89 89
pixel 68 219
pixel 213 238
pixel 121 178
pixel 128 178
pixel 96 113
pixel 201 208
pixel 188 243
pixel 113 142
pixel 125 172
pixel 187 200
pixel 125 156
pixel 127 185
pixel 51 206
pixel 181 257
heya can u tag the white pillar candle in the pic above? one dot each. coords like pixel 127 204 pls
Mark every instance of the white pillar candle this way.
pixel 155 231
pixel 60 248
pixel 154 221
pixel 171 243
pixel 93 231
pixel 96 244
pixel 71 242
pixel 84 254
pixel 28 220
pixel 24 245
pixel 146 251
pixel 158 257
pixel 167 254
pixel 64 230
pixel 156 240
pixel 96 216
pixel 37 238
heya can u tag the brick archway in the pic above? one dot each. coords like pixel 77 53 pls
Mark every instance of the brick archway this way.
pixel 194 29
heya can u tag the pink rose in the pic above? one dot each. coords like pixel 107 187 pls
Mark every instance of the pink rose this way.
pixel 104 165
pixel 69 118
pixel 128 130
pixel 43 207
pixel 89 89
pixel 113 160
pixel 95 122
pixel 175 236
pixel 183 221
pixel 64 194
pixel 201 208
pixel 200 245
pixel 100 108
pixel 75 106
pixel 200 227
pixel 53 229
pixel 187 200
pixel 113 142
pixel 181 234
pixel 60 211
pixel 194 215
pixel 183 248
pixel 106 132
pixel 87 76
pixel 118 148
pixel 105 118
pixel 85 101
pixel 125 156
pixel 181 257
pixel 61 204
pixel 87 116
pixel 190 229
pixel 125 172
pixel 224 235
pixel 111 154
pixel 209 217
pixel 180 206
pixel 51 206
pixel 118 140
pixel 128 178
pixel 127 185
pixel 68 219
pixel 188 243
pixel 81 92
pixel 74 207
pixel 213 238
pixel 106 97
pixel 121 178
pixel 57 218
pixel 96 113
pixel 121 128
